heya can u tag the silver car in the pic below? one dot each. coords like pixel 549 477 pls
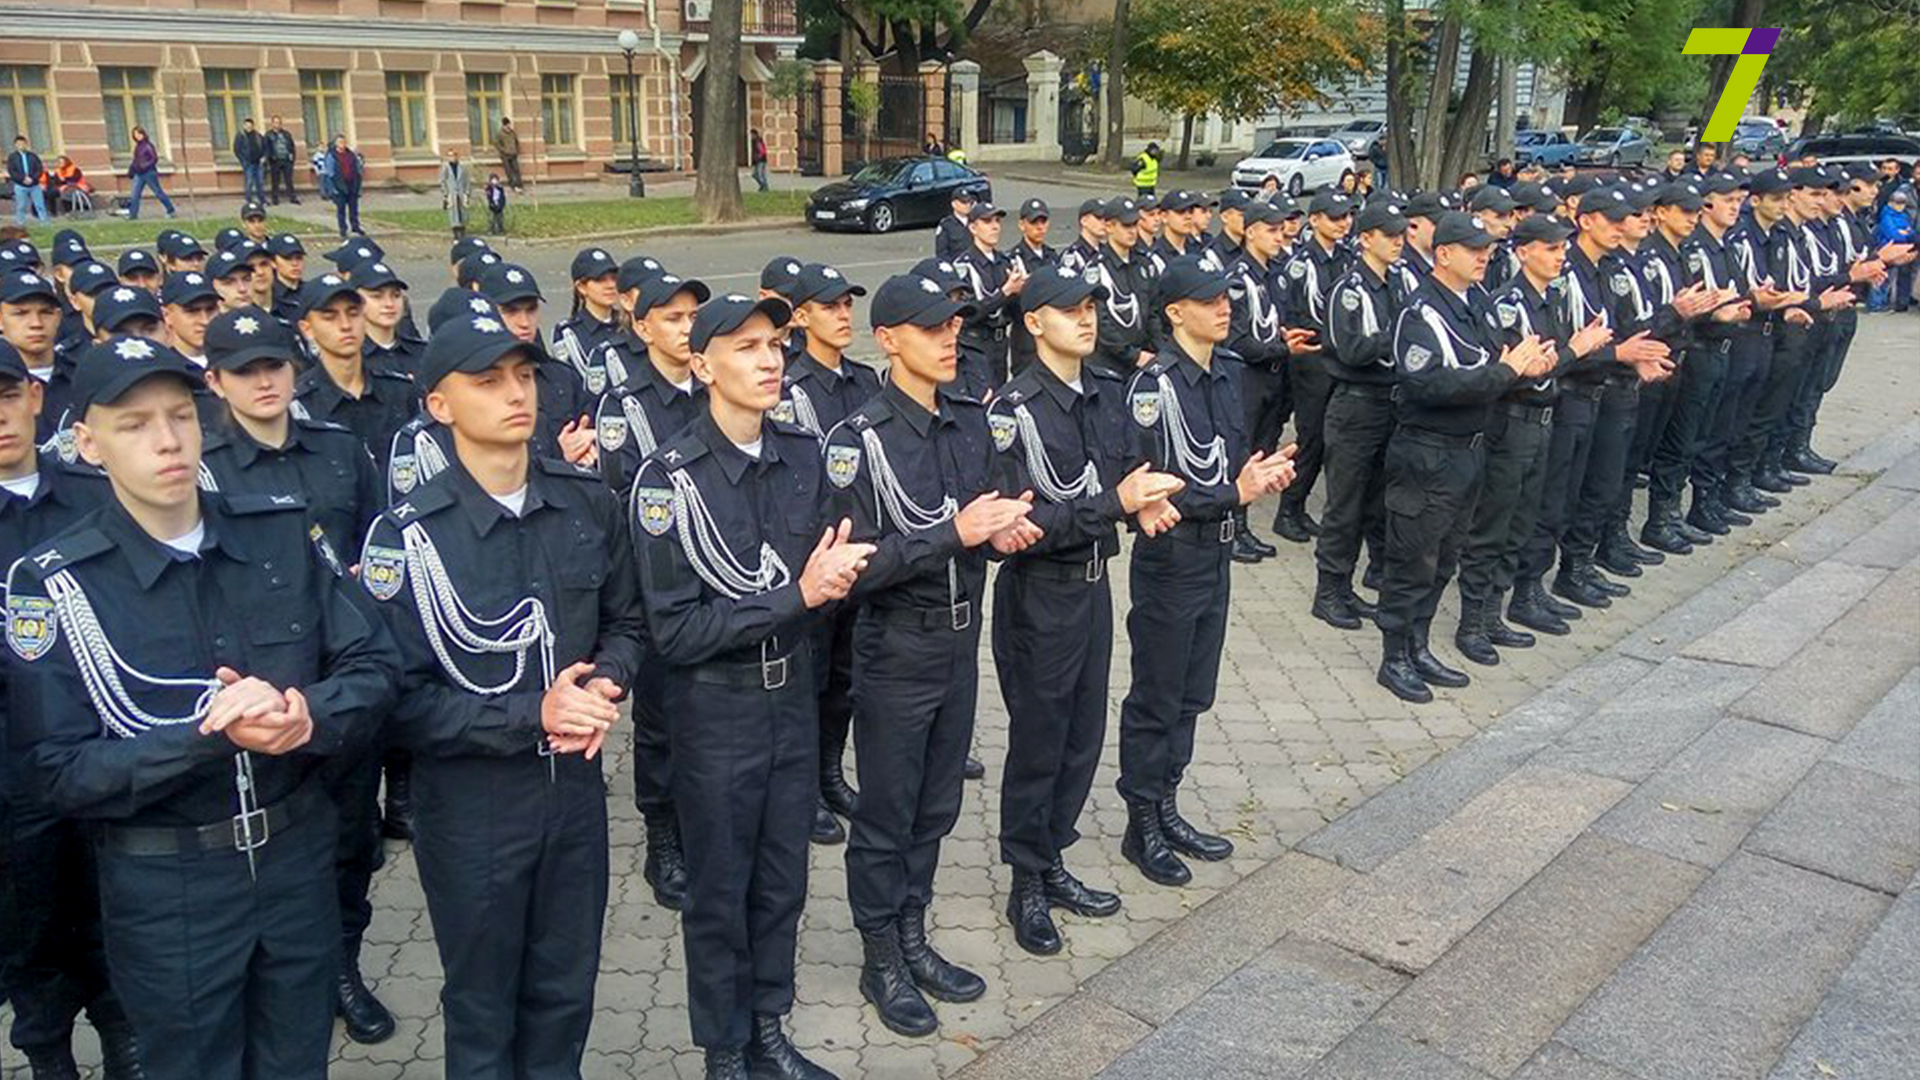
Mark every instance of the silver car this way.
pixel 1613 147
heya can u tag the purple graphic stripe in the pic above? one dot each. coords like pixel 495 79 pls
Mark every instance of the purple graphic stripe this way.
pixel 1762 41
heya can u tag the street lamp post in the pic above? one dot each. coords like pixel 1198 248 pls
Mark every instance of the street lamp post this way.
pixel 636 187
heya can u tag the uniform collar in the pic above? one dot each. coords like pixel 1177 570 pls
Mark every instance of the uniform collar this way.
pixel 914 413
pixel 647 375
pixel 250 449
pixel 1062 394
pixel 804 365
pixel 149 558
pixel 482 509
pixel 1189 368
pixel 735 462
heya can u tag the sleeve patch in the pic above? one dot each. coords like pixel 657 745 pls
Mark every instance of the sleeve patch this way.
pixel 1350 299
pixel 33 626
pixel 325 550
pixel 1003 431
pixel 1146 407
pixel 1417 358
pixel 612 431
pixel 384 570
pixel 653 506
pixel 404 473
pixel 843 465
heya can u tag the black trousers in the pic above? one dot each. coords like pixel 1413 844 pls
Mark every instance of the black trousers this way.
pixel 1733 399
pixel 1359 425
pixel 1181 583
pixel 1822 374
pixel 1264 399
pixel 1569 446
pixel 652 745
pixel 1312 387
pixel 1053 649
pixel 353 781
pixel 53 962
pixel 1702 385
pixel 915 687
pixel 228 974
pixel 1793 350
pixel 746 774
pixel 1518 439
pixel 1658 402
pixel 1432 483
pixel 1598 506
pixel 513 859
pixel 1742 447
pixel 280 178
pixel 832 649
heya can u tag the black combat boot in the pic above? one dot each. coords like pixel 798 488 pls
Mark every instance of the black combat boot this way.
pixel 1360 605
pixel 1254 543
pixel 888 986
pixel 397 822
pixel 1590 573
pixel 1613 555
pixel 1145 846
pixel 1432 671
pixel 1330 603
pixel 1496 628
pixel 727 1065
pixel 827 829
pixel 1717 501
pixel 119 1049
pixel 1662 533
pixel 1066 891
pixel 1471 638
pixel 1243 549
pixel 1290 524
pixel 1701 515
pixel 834 789
pixel 1572 583
pixel 1744 497
pixel 1397 672
pixel 1183 837
pixel 931 972
pixel 1030 916
pixel 772 1056
pixel 367 1021
pixel 1529 609
pixel 666 866
pixel 52 1063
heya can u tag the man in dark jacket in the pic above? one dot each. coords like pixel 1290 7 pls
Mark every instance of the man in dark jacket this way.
pixel 250 147
pixel 281 154
pixel 24 172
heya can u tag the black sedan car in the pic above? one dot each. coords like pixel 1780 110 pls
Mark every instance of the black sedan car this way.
pixel 892 192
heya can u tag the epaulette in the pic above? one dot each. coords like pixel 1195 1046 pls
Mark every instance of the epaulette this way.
pixel 248 505
pixel 679 450
pixel 553 466
pixel 1102 373
pixel 785 427
pixel 67 550
pixel 424 501
pixel 215 440
pixel 311 424
pixel 1156 366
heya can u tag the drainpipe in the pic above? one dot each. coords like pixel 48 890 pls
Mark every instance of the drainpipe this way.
pixel 673 81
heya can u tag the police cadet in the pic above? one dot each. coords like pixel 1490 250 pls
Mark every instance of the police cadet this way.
pixel 819 388
pixel 139 269
pixel 289 274
pixel 70 251
pixel 1187 213
pixel 1799 244
pixel 1031 255
pixel 954 234
pixel 565 420
pixel 1519 438
pixel 1085 248
pixel 1361 310
pixel 179 252
pixel 1060 430
pixel 1256 289
pixel 593 326
pixel 1787 314
pixel 1451 368
pixel 230 279
pixel 52 961
pixel 509 582
pixel 726 510
pixel 1226 244
pixel 1186 405
pixel 994 282
pixel 659 398
pixel 187 663
pixel 85 282
pixel 1125 333
pixel 1152 215
pixel 913 469
pixel 30 324
pixel 1311 272
pixel 369 399
pixel 460 251
pixel 1722 253
pixel 1424 212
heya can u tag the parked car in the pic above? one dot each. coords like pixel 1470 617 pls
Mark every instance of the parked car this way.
pixel 1759 137
pixel 1613 147
pixel 1850 149
pixel 1300 165
pixel 892 192
pixel 1358 136
pixel 1551 149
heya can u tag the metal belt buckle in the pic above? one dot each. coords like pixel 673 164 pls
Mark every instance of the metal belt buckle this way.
pixel 1546 416
pixel 245 836
pixel 1096 569
pixel 773 674
pixel 1478 438
pixel 1726 345
pixel 1226 530
pixel 962 615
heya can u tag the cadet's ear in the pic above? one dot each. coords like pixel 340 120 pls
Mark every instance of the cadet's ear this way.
pixel 1031 319
pixel 439 408
pixel 701 369
pixel 883 337
pixel 84 443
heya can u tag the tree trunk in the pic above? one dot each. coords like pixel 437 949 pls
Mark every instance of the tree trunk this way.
pixel 1468 132
pixel 1433 120
pixel 1186 138
pixel 1399 118
pixel 1116 146
pixel 1746 13
pixel 1507 121
pixel 716 189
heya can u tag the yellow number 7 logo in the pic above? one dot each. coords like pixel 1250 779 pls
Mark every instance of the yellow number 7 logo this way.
pixel 1752 47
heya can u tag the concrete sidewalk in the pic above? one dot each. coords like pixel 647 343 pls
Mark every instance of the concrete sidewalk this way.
pixel 1692 858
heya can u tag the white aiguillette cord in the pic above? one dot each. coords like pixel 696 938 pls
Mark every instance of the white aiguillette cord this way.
pixel 712 559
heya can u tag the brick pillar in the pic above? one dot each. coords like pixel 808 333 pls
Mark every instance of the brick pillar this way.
pixel 933 100
pixel 830 75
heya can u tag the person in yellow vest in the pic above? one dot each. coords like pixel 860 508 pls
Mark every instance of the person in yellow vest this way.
pixel 957 156
pixel 1146 171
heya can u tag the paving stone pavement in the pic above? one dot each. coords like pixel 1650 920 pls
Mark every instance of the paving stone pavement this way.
pixel 1500 883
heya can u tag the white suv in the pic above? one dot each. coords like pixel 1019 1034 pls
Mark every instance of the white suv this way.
pixel 1298 165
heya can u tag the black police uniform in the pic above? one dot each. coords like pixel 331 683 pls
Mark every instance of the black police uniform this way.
pixel 1797 267
pixel 1662 273
pixel 1079 255
pixel 1846 241
pixel 1447 359
pixel 731 631
pixel 385 403
pixel 403 355
pixel 1704 384
pixel 511 839
pixel 635 417
pixel 1311 273
pixel 222 928
pixel 1032 261
pixel 951 237
pixel 53 962
pixel 984 334
pixel 1125 327
pixel 1739 260
pixel 1361 311
pixel 1255 338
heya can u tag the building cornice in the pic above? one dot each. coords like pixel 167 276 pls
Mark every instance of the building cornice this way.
pixel 129 25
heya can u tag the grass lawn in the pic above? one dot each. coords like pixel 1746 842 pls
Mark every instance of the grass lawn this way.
pixel 116 231
pixel 558 220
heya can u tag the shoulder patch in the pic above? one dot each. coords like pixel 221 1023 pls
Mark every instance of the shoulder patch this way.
pixel 1509 314
pixel 612 431
pixel 1296 269
pixel 1350 299
pixel 383 570
pixel 653 507
pixel 404 472
pixel 843 465
pixel 1417 358
pixel 783 411
pixel 1004 428
pixel 33 625
pixel 1622 285
pixel 1146 407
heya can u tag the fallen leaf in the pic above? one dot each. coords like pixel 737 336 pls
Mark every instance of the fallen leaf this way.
pixel 1826 1069
pixel 1675 807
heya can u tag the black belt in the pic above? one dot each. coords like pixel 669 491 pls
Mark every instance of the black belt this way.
pixel 955 617
pixel 767 673
pixel 1588 391
pixel 997 333
pixel 242 832
pixel 1203 532
pixel 1089 570
pixel 1380 391
pixel 1442 438
pixel 1532 414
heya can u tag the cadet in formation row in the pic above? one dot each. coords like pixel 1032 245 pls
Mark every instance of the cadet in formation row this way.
pixel 649 556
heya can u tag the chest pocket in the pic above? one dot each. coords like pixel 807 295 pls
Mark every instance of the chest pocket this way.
pixel 581 567
pixel 282 620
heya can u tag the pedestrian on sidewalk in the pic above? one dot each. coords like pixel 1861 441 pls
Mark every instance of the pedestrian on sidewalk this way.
pixel 1895 226
pixel 26 172
pixel 456 189
pixel 758 155
pixel 281 154
pixel 345 169
pixel 507 142
pixel 496 205
pixel 1146 171
pixel 250 147
pixel 144 171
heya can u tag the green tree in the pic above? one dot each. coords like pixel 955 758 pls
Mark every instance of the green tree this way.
pixel 904 32
pixel 1850 63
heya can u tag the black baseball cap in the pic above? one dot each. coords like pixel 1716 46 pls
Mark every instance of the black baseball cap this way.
pixel 1330 203
pixel 137 261
pixel 1234 199
pixel 940 272
pixel 782 271
pixel 982 211
pixel 475 266
pixel 1540 228
pixel 1034 209
pixel 320 291
pixel 69 248
pixel 253 211
pixel 187 286
pixel 1058 286
pixel 591 263
pixel 1289 206
pixel 910 298
pixel 464 247
pixel 1188 279
pixel 106 371
pixel 18 285
pixel 1427 204
pixel 178 245
pixel 239 337
pixel 661 288
pixel 220 266
pixel 1612 202
pixel 471 343
pixel 1576 186
pixel 823 284
pixel 123 302
pixel 960 194
pixel 1809 176
pixel 1188 200
pixel 723 315
pixel 1262 212
pixel 636 270
pixel 227 238
pixel 1123 210
pixel 12 364
pixel 1458 228
pixel 90 277
pixel 455 303
pixel 1722 182
pixel 1492 198
pixel 285 246
pixel 1685 196
pixel 1771 182
pixel 1642 195
pixel 354 252
pixel 1147 203
pixel 1092 206
pixel 506 283
pixel 1536 196
pixel 375 275
pixel 20 255
pixel 1381 217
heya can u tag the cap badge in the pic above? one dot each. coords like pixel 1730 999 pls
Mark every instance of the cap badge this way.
pixel 134 349
pixel 246 324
